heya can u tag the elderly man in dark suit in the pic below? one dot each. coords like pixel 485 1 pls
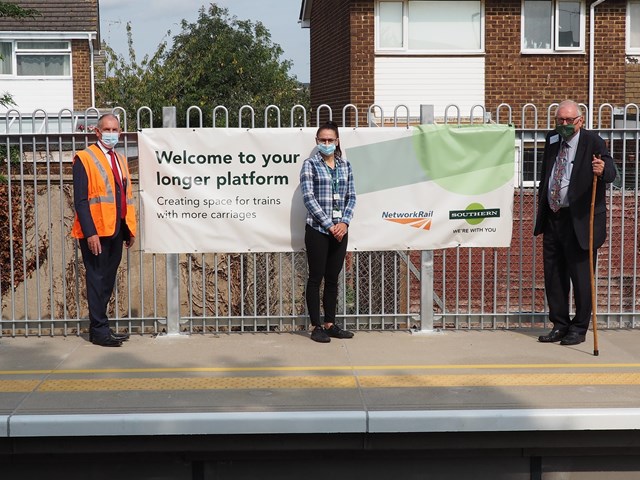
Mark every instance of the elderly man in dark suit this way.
pixel 572 156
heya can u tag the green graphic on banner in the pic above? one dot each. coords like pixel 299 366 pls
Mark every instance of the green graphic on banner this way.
pixel 468 160
pixel 384 165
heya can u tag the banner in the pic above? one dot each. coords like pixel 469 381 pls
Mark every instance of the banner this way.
pixel 237 190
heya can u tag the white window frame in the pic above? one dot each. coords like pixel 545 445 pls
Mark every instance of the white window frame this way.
pixel 404 50
pixel 555 32
pixel 631 50
pixel 15 52
pixel 10 58
pixel 42 52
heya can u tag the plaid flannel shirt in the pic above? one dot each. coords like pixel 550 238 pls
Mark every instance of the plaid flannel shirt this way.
pixel 317 192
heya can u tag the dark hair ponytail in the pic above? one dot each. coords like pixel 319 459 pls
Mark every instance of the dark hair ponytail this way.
pixel 331 125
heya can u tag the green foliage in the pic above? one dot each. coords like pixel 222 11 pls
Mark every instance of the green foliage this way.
pixel 6 100
pixel 11 10
pixel 218 60
pixel 14 11
pixel 133 84
pixel 14 155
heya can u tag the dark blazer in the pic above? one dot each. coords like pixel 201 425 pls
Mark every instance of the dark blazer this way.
pixel 580 187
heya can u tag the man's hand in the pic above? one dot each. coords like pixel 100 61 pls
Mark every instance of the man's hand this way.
pixel 94 244
pixel 598 165
pixel 129 243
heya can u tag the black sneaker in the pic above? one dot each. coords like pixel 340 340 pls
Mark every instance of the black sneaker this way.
pixel 336 332
pixel 319 334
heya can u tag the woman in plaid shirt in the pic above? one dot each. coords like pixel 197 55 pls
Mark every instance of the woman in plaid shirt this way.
pixel 326 181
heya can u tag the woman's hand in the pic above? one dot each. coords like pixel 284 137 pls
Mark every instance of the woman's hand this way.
pixel 339 230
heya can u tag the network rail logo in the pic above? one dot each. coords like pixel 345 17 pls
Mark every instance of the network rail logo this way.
pixel 474 214
pixel 416 219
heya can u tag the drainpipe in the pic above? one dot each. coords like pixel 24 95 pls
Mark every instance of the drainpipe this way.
pixel 92 71
pixel 592 27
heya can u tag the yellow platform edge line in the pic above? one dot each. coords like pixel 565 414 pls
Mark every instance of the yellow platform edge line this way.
pixel 322 382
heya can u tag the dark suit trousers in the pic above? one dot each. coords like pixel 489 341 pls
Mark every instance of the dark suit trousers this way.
pixel 565 263
pixel 101 273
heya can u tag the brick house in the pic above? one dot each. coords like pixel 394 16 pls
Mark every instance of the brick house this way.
pixel 488 53
pixel 49 59
pixel 475 52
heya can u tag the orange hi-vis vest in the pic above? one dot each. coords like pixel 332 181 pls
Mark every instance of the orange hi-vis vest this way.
pixel 102 193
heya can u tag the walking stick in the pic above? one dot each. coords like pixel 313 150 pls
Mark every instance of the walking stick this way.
pixel 591 269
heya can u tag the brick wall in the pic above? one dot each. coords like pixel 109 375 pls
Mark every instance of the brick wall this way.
pixel 342 56
pixel 632 84
pixel 518 79
pixel 362 57
pixel 81 74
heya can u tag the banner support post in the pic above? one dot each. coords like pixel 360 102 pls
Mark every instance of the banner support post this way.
pixel 427 116
pixel 169 120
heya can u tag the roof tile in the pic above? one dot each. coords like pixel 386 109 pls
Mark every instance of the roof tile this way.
pixel 55 16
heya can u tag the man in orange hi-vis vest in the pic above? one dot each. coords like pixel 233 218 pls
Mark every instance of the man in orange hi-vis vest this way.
pixel 105 220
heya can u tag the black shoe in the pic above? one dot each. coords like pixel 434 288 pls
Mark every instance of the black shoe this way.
pixel 319 335
pixel 107 342
pixel 336 332
pixel 553 336
pixel 121 337
pixel 572 338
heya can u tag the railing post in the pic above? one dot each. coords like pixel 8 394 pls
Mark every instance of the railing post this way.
pixel 169 117
pixel 427 116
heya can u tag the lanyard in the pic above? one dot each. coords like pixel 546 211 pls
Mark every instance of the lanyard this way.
pixel 335 181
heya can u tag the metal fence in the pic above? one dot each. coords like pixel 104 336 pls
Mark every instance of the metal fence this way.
pixel 42 280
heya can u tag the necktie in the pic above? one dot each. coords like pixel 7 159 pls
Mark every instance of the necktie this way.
pixel 556 180
pixel 116 175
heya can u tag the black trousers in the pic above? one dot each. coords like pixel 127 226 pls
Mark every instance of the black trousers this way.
pixel 566 264
pixel 325 256
pixel 101 273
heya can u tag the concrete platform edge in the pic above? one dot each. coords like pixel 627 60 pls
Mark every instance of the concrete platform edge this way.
pixel 224 423
pixel 239 423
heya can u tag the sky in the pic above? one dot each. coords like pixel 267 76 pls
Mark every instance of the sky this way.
pixel 150 21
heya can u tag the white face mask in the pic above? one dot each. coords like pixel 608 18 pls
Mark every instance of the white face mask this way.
pixel 110 139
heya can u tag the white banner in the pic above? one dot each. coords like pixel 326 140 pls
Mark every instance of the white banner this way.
pixel 237 190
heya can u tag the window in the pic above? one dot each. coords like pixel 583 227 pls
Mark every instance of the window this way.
pixel 633 27
pixel 43 59
pixel 427 26
pixel 553 26
pixel 531 165
pixel 35 58
pixel 5 58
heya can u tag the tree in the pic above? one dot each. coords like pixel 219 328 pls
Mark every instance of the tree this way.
pixel 10 10
pixel 218 60
pixel 14 11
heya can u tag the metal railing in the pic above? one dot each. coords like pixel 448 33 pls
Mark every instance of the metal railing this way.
pixel 41 273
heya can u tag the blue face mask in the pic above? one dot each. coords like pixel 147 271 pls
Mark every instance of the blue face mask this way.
pixel 327 150
pixel 110 139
